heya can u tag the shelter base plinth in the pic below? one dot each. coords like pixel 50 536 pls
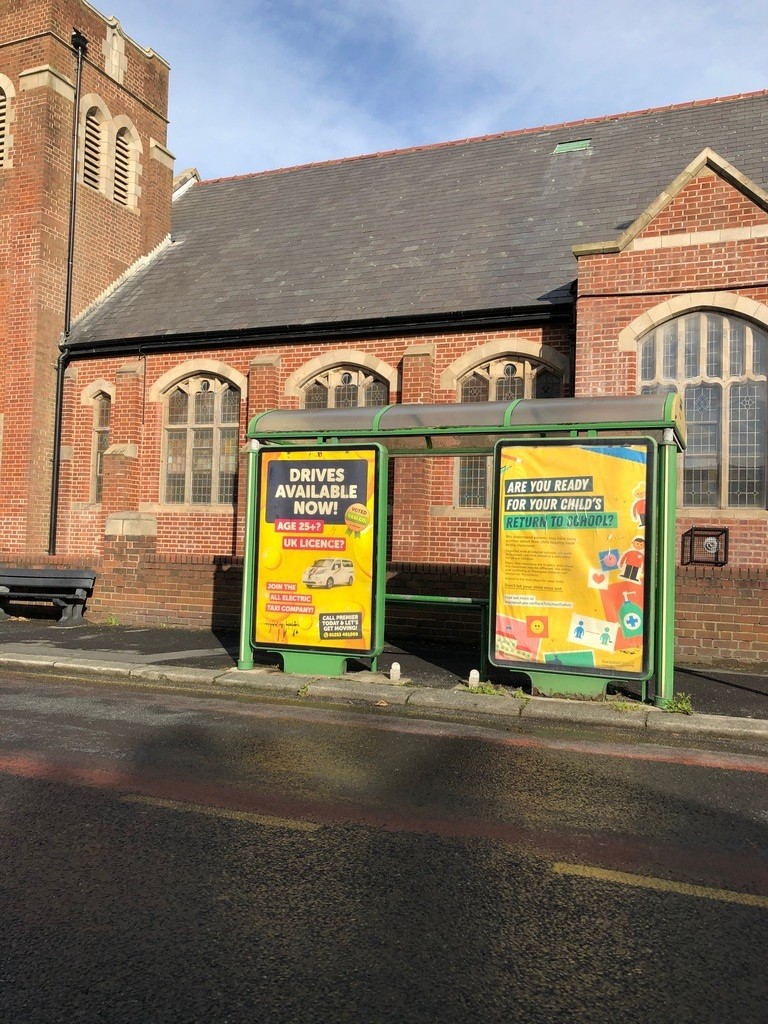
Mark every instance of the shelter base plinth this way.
pixel 309 663
pixel 554 684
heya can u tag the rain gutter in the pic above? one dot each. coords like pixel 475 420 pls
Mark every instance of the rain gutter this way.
pixel 338 330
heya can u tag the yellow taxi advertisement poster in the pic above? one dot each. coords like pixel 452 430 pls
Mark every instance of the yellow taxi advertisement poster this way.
pixel 570 558
pixel 315 560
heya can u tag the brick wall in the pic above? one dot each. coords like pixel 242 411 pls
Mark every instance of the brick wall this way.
pixel 617 288
pixel 34 225
pixel 137 586
pixel 706 203
pixel 721 613
pixel 423 489
pixel 722 616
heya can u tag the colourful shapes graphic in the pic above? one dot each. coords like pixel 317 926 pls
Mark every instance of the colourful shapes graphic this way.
pixel 597 579
pixel 513 641
pixel 609 559
pixel 589 632
pixel 538 626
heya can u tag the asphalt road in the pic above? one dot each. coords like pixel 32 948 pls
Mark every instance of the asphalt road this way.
pixel 171 858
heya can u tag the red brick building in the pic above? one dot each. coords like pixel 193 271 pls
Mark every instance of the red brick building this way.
pixel 612 256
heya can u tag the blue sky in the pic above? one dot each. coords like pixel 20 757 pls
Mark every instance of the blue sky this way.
pixel 259 84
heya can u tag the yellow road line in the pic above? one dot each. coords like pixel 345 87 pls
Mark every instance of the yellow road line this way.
pixel 222 812
pixel 662 885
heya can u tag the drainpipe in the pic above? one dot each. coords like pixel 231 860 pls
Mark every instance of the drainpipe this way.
pixel 80 46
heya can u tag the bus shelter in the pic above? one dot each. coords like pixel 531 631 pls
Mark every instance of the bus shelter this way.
pixel 582 534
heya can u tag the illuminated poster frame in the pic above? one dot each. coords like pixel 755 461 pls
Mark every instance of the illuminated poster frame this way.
pixel 317 586
pixel 572 565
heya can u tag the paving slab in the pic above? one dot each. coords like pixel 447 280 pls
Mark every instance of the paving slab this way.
pixel 553 709
pixel 347 689
pixel 466 701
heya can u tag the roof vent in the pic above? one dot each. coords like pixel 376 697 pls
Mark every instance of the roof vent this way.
pixel 571 147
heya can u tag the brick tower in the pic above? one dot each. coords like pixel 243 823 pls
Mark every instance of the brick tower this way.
pixel 122 201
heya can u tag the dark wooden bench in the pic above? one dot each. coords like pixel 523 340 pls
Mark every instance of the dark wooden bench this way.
pixel 67 589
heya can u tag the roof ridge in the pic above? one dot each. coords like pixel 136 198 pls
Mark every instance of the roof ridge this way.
pixel 601 119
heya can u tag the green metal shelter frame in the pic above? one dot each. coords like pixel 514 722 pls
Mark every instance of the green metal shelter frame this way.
pixel 475 429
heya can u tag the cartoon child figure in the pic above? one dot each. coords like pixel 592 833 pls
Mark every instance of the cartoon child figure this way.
pixel 579 630
pixel 638 508
pixel 631 562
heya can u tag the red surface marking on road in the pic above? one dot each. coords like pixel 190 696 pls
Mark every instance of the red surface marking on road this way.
pixel 704 866
pixel 27 766
pixel 449 730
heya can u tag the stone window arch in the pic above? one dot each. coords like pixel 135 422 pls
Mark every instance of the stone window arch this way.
pixel 201 431
pixel 102 416
pixel 342 379
pixel 94 143
pixel 539 358
pixel 509 377
pixel 125 163
pixel 718 363
pixel 344 387
pixel 503 378
pixel 99 395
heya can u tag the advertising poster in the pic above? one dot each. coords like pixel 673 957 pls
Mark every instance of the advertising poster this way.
pixel 315 560
pixel 570 551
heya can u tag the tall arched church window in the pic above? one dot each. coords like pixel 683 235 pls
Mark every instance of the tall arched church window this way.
pixel 499 380
pixel 94 142
pixel 3 126
pixel 125 163
pixel 7 110
pixel 344 387
pixel 719 365
pixel 122 171
pixel 102 415
pixel 202 422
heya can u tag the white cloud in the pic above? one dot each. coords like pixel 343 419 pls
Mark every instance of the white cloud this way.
pixel 267 83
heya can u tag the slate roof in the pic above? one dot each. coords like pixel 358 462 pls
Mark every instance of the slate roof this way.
pixel 459 228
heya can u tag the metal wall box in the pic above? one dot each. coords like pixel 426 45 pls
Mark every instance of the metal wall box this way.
pixel 705 545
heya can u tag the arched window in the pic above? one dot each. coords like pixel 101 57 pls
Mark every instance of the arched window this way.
pixel 122 174
pixel 202 417
pixel 719 365
pixel 102 415
pixel 3 125
pixel 94 143
pixel 344 387
pixel 498 380
pixel 7 104
pixel 124 167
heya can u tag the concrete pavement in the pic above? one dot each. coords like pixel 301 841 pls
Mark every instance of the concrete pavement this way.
pixel 727 704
